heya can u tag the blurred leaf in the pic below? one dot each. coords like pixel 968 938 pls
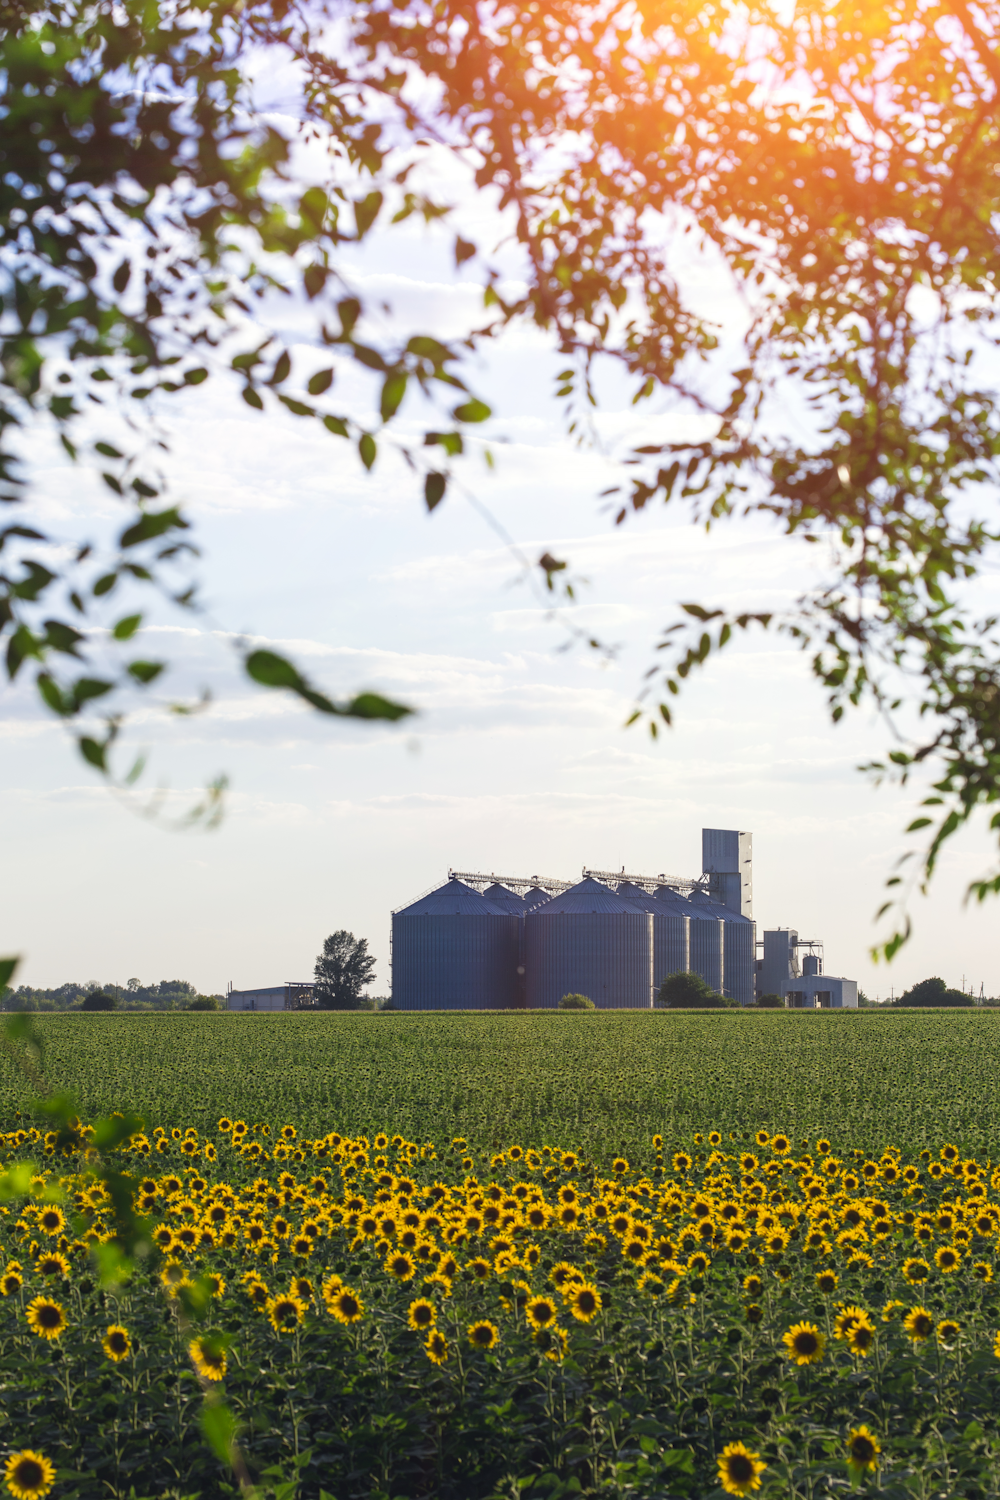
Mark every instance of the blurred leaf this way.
pixel 434 488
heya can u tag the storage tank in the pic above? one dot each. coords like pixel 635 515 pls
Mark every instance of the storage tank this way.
pixel 505 898
pixel 535 896
pixel 454 950
pixel 739 947
pixel 671 928
pixel 589 941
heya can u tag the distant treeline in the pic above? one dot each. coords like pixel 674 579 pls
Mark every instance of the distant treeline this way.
pixel 930 992
pixel 169 994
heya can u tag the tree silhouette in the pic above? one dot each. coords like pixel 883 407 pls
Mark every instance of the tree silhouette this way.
pixel 342 970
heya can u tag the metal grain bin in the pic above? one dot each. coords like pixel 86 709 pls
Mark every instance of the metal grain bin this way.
pixel 739 947
pixel 535 896
pixel 505 898
pixel 671 928
pixel 454 950
pixel 589 941
pixel 708 947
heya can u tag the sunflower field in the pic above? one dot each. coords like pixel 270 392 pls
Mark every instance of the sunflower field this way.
pixel 192 1313
pixel 605 1081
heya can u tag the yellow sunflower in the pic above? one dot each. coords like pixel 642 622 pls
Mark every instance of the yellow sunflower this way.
pixel 483 1334
pixel 919 1324
pixel 863 1449
pixel 739 1469
pixel 117 1343
pixel 346 1306
pixel 46 1318
pixel 208 1355
pixel 285 1311
pixel 436 1347
pixel 583 1301
pixel 421 1315
pixel 29 1475
pixel 805 1344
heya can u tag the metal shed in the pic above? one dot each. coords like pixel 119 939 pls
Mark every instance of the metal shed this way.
pixel 454 949
pixel 589 941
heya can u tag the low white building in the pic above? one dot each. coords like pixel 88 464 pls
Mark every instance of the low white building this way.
pixel 820 992
pixel 278 997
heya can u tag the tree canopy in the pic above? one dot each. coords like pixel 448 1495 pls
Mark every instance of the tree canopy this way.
pixel 837 168
pixel 342 970
pixel 685 990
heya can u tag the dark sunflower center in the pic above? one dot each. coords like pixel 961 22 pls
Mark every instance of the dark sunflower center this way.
pixel 806 1343
pixel 28 1474
pixel 740 1468
pixel 49 1317
pixel 118 1342
pixel 863 1450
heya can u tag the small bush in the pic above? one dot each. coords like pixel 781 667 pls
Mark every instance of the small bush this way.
pixel 576 1002
pixel 770 1002
pixel 205 1002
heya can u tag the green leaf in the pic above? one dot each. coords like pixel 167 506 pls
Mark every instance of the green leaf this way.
pixel 105 585
pixel 320 382
pixel 464 250
pixel 337 426
pixel 8 967
pixel 108 451
pixel 366 212
pixel 253 398
pixel 195 377
pixel 472 411
pixel 374 706
pixel 367 449
pixel 435 485
pixel 151 524
pixel 92 752
pixel 16 1181
pixel 393 391
pixel 271 670
pixel 350 311
pixel 127 627
pixel 218 1426
pixel 145 671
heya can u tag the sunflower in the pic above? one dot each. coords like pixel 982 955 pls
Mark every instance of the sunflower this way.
pixel 982 1271
pixel 301 1287
pixel 483 1335
pixel 682 1162
pixel 540 1311
pixel 400 1267
pixel 823 1147
pixel 654 1286
pixel 753 1286
pixel 762 1138
pixel 827 1282
pixel 421 1315
pixel 805 1344
pixel 754 1313
pixel 699 1263
pixel 948 1259
pixel 117 1343
pixel 29 1475
pixel 285 1311
pixel 739 1469
pixel 46 1318
pixel 584 1302
pixel 208 1355
pixel 52 1264
pixel 919 1324
pixel 51 1220
pixel 346 1307
pixel 10 1282
pixel 863 1449
pixel 479 1268
pixel 948 1331
pixel 436 1347
pixel 891 1310
pixel 861 1335
pixel 915 1271
pixel 552 1342
pixel 781 1144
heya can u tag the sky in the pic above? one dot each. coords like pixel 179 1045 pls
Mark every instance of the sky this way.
pixel 517 760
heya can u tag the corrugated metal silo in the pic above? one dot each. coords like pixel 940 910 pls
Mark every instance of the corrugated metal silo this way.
pixel 671 928
pixel 589 941
pixel 739 947
pixel 708 947
pixel 454 950
pixel 535 896
pixel 505 898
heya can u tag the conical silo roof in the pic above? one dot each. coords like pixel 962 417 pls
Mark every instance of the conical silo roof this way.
pixel 588 896
pixel 505 898
pixel 640 899
pixel 707 906
pixel 453 899
pixel 535 896
pixel 672 902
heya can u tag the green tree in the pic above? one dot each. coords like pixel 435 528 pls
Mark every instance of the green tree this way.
pixel 684 990
pixel 769 1002
pixel 99 1001
pixel 152 208
pixel 933 992
pixel 342 970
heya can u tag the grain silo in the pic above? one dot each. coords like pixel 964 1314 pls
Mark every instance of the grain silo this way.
pixel 505 898
pixel 535 896
pixel 707 946
pixel 589 941
pixel 671 928
pixel 739 947
pixel 454 950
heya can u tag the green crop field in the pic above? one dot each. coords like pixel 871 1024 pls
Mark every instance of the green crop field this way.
pixel 295 1284
pixel 604 1083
